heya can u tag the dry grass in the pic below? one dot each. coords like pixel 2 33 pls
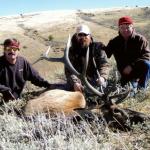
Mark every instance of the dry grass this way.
pixel 59 132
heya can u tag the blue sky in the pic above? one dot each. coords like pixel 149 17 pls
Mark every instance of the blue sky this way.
pixel 11 7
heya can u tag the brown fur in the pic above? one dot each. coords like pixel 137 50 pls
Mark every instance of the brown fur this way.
pixel 55 101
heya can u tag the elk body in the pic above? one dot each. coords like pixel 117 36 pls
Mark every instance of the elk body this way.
pixel 55 101
pixel 73 104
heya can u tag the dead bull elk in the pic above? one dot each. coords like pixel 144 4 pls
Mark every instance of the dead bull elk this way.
pixel 74 102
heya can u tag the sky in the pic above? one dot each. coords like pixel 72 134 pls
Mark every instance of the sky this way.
pixel 14 7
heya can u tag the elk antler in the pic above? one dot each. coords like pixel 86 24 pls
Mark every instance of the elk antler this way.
pixel 45 54
pixel 82 75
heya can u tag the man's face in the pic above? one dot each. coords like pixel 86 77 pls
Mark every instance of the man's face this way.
pixel 126 30
pixel 84 40
pixel 11 53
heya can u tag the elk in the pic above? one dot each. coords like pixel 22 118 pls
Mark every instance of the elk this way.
pixel 74 103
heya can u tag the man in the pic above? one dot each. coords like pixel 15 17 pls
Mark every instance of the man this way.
pixel 15 71
pixel 80 41
pixel 132 54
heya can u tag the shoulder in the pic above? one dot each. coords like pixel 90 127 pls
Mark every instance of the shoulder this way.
pixel 2 61
pixel 22 59
pixel 98 49
pixel 74 40
pixel 139 37
pixel 115 39
pixel 98 45
pixel 2 58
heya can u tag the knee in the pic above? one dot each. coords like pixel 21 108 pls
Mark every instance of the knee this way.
pixel 144 65
pixel 147 64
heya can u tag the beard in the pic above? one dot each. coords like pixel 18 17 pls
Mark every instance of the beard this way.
pixel 83 44
pixel 83 49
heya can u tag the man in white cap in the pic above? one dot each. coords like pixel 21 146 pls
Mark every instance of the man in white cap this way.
pixel 80 41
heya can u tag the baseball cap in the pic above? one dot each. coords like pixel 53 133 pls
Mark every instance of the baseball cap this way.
pixel 83 29
pixel 12 43
pixel 125 20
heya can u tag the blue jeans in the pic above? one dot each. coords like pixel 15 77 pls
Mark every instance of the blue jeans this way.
pixel 139 76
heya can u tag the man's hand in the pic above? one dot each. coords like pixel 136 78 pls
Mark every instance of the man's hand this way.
pixel 51 87
pixel 101 81
pixel 127 70
pixel 78 87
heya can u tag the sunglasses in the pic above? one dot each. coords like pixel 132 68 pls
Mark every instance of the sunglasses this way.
pixel 125 27
pixel 82 34
pixel 11 48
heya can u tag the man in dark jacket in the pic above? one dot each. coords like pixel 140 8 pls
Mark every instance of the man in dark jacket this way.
pixel 15 71
pixel 80 41
pixel 132 54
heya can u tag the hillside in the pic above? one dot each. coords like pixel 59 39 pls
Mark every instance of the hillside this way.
pixel 34 29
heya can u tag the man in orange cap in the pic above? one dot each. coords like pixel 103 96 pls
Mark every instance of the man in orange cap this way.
pixel 132 54
pixel 15 71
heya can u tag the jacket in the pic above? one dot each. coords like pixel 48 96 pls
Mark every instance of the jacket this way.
pixel 13 77
pixel 128 52
pixel 77 58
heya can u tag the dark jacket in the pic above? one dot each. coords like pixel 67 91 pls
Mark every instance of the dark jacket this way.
pixel 14 77
pixel 77 58
pixel 130 52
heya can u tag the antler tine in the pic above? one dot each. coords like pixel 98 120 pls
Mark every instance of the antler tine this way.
pixel 45 54
pixel 83 75
pixel 84 78
pixel 66 55
pixel 121 95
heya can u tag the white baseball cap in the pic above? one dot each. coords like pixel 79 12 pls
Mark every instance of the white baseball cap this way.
pixel 83 29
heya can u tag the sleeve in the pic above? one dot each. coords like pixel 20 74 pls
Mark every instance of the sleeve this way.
pixel 34 77
pixel 4 89
pixel 145 50
pixel 109 49
pixel 101 61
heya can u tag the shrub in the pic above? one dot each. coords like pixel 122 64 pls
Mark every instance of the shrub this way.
pixel 50 37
